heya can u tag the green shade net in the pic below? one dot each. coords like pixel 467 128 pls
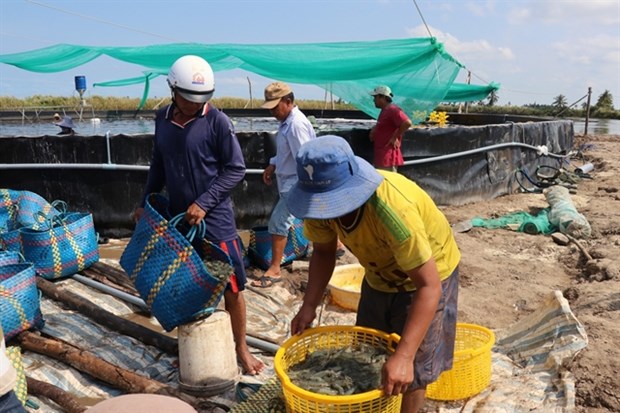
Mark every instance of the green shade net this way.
pixel 419 71
pixel 520 221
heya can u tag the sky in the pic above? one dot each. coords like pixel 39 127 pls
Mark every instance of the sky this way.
pixel 536 50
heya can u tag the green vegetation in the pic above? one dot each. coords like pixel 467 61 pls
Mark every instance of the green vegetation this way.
pixel 127 103
pixel 603 108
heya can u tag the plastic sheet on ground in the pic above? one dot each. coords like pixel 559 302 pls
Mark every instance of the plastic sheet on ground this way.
pixel 527 361
pixel 528 358
pixel 269 314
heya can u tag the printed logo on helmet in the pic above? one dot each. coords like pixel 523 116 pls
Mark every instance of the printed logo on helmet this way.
pixel 198 79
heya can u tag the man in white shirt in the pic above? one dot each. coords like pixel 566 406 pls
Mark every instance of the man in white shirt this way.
pixel 295 129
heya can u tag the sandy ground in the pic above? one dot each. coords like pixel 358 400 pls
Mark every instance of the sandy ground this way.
pixel 506 274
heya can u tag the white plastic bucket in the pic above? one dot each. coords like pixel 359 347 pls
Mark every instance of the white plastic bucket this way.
pixel 207 358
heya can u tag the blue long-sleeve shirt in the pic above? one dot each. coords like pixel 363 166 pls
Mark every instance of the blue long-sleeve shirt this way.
pixel 200 161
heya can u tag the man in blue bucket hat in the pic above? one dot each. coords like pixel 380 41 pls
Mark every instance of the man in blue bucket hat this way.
pixel 406 246
pixel 66 126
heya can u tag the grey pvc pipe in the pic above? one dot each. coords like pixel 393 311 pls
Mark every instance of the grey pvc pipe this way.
pixel 251 341
pixel 585 168
pixel 103 166
pixel 107 144
pixel 110 166
pixel 112 291
pixel 483 149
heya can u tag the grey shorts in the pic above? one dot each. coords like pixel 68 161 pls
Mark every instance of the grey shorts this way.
pixel 388 311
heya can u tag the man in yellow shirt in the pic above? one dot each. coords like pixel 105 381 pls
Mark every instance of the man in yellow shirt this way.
pixel 405 244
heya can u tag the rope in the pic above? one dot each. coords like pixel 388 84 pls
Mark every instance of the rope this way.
pixel 422 17
pixel 570 106
pixel 102 21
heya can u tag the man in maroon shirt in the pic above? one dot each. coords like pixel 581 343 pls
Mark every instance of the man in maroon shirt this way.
pixel 387 134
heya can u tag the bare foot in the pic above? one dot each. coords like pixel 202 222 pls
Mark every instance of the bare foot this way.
pixel 250 364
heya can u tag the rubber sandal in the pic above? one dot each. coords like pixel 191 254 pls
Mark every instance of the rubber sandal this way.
pixel 265 281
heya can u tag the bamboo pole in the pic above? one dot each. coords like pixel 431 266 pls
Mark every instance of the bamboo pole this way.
pixel 585 129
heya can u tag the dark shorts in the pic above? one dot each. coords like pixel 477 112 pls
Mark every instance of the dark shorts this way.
pixel 9 403
pixel 234 250
pixel 388 312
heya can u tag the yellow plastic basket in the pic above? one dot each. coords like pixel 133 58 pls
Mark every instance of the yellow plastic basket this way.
pixel 295 350
pixel 471 370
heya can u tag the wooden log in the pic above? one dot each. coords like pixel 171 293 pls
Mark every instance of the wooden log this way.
pixel 108 319
pixel 66 400
pixel 87 362
pixel 110 275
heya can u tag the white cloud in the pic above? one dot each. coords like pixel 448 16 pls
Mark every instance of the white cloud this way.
pixel 466 51
pixel 597 49
pixel 604 12
pixel 518 16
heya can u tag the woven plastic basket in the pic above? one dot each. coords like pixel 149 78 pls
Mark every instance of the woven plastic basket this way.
pixel 295 350
pixel 471 370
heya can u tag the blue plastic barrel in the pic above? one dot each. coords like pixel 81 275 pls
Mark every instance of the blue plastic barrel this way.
pixel 80 83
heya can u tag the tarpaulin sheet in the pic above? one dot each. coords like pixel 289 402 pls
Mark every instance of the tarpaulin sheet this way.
pixel 528 357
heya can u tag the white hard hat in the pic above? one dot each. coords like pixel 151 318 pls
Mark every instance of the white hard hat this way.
pixel 192 77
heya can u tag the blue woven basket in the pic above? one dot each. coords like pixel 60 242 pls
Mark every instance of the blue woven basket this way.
pixel 259 250
pixel 9 257
pixel 67 245
pixel 19 299
pixel 19 209
pixel 167 266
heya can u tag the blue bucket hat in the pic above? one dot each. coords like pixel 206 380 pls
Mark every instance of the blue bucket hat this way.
pixel 332 180
pixel 66 122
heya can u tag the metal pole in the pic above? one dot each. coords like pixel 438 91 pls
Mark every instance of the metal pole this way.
pixel 585 129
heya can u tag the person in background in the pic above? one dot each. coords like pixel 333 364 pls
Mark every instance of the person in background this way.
pixel 387 134
pixel 9 403
pixel 198 159
pixel 295 129
pixel 406 246
pixel 66 126
pixel 57 117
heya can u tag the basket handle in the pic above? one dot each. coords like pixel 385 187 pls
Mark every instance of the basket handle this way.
pixel 199 229
pixel 60 206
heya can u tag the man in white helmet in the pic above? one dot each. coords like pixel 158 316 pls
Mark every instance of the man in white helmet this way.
pixel 198 159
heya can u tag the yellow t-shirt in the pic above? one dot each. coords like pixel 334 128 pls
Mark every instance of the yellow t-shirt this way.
pixel 398 229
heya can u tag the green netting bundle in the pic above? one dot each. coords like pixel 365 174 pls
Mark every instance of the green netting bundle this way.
pixel 418 70
pixel 519 221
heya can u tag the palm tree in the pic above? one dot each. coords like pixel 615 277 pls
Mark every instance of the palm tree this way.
pixel 559 102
